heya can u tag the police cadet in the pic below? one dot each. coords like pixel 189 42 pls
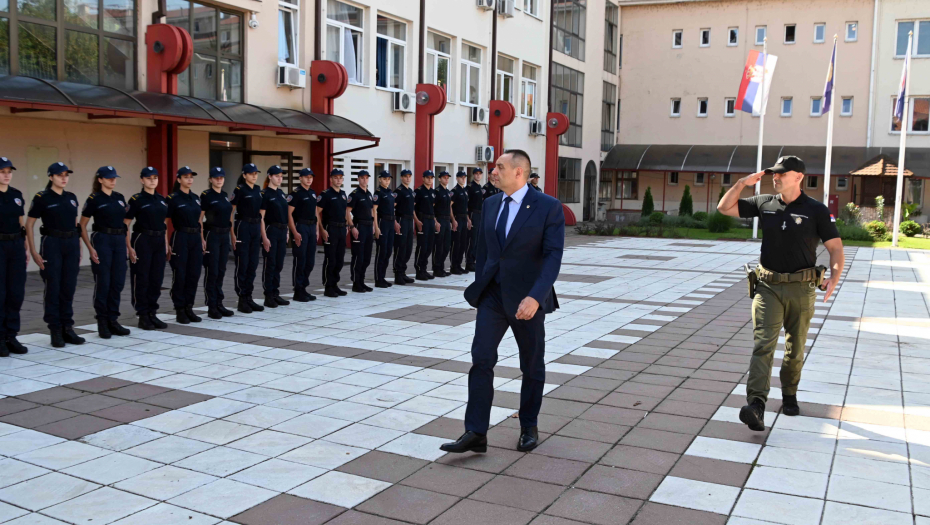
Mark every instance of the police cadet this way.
pixel 60 255
pixel 534 181
pixel 784 282
pixel 333 214
pixel 404 204
pixel 247 236
pixel 186 245
pixel 274 237
pixel 217 210
pixel 489 190
pixel 462 223
pixel 13 261
pixel 385 227
pixel 107 249
pixel 425 220
pixel 148 248
pixel 360 204
pixel 301 217
pixel 475 201
pixel 442 205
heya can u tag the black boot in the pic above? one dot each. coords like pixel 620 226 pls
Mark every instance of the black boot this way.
pixel 469 268
pixel 456 271
pixel 340 291
pixel 253 305
pixel 358 288
pixel 753 415
pixel 156 322
pixel 423 276
pixel 15 346
pixel 301 296
pixel 281 301
pixel 103 329
pixel 182 316
pixel 469 442
pixel 4 349
pixel 331 292
pixel 118 329
pixel 789 405
pixel 367 288
pixel 191 315
pixel 382 284
pixel 400 279
pixel 529 439
pixel 225 312
pixel 408 280
pixel 214 313
pixel 58 341
pixel 145 322
pixel 270 302
pixel 71 337
pixel 244 306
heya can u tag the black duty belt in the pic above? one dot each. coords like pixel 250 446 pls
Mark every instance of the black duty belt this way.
pixel 365 222
pixel 385 217
pixel 250 220
pixel 278 225
pixel 214 229
pixel 461 216
pixel 110 231
pixel 12 236
pixel 150 233
pixel 405 216
pixel 426 217
pixel 306 222
pixel 183 229
pixel 476 210
pixel 443 217
pixel 336 224
pixel 58 233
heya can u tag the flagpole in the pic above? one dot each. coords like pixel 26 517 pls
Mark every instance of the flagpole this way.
pixel 905 126
pixel 758 189
pixel 828 164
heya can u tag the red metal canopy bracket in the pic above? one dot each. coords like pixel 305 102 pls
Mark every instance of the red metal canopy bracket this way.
pixel 431 100
pixel 328 81
pixel 556 126
pixel 502 114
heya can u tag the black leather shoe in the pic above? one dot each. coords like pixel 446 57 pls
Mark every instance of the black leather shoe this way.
pixel 225 312
pixel 4 349
pixel 440 273
pixel 71 337
pixel 58 341
pixel 103 329
pixel 145 322
pixel 529 439
pixel 244 306
pixel 301 296
pixel 382 284
pixel 270 302
pixel 423 276
pixel 330 292
pixel 253 305
pixel 457 271
pixel 367 288
pixel 469 442
pixel 400 279
pixel 469 267
pixel 182 316
pixel 409 280
pixel 214 313
pixel 158 323
pixel 340 291
pixel 118 329
pixel 15 346
pixel 789 406
pixel 281 301
pixel 191 315
pixel 753 415
pixel 358 288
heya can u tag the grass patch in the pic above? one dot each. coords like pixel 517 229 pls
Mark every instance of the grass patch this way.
pixel 910 243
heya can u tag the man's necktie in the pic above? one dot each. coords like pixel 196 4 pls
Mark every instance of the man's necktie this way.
pixel 502 221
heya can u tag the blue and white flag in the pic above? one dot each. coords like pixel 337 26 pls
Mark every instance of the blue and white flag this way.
pixel 828 88
pixel 902 93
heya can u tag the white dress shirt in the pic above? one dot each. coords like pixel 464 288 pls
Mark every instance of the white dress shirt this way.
pixel 517 197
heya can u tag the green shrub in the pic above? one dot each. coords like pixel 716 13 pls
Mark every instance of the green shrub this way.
pixel 851 213
pixel 720 223
pixel 840 223
pixel 853 233
pixel 686 207
pixel 648 205
pixel 910 228
pixel 656 217
pixel 700 216
pixel 876 229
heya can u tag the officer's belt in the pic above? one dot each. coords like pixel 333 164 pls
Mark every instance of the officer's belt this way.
pixel 457 215
pixel 443 217
pixel 364 222
pixel 306 222
pixel 184 229
pixel 336 224
pixel 476 210
pixel 277 225
pixel 214 229
pixel 250 220
pixel 58 233
pixel 770 277
pixel 427 217
pixel 150 233
pixel 385 217
pixel 110 231
pixel 12 236
pixel 406 216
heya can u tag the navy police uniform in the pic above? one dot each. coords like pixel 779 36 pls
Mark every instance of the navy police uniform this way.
pixel 274 202
pixel 109 241
pixel 186 245
pixel 424 206
pixel 534 181
pixel 404 199
pixel 217 211
pixel 148 241
pixel 247 227
pixel 333 204
pixel 360 204
pixel 442 206
pixel 384 200
pixel 475 202
pixel 12 263
pixel 304 203
pixel 460 235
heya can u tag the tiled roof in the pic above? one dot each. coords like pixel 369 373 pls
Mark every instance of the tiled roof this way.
pixel 882 166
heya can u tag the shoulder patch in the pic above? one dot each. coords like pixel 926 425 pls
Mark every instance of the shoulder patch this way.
pixel 375 198
pixel 290 198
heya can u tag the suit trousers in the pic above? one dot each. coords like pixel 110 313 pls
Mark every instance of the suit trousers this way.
pixel 472 252
pixel 186 262
pixel 148 272
pixel 214 266
pixel 304 257
pixel 273 261
pixel 491 324
pixel 403 245
pixel 109 273
pixel 361 253
pixel 426 237
pixel 459 241
pixel 12 285
pixel 384 245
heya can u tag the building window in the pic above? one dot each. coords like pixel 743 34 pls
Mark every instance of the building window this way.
pixel 611 18
pixel 914 192
pixel 470 79
pixel 607 117
pixel 726 179
pixel 504 84
pixel 606 186
pixel 627 185
pixel 394 168
pixel 676 107
pixel 568 28
pixel 676 38
pixel 790 32
pixel 568 98
pixel 528 91
pixel 705 37
pixel 816 106
pixel 921 29
pixel 345 37
pixel 852 31
pixel 842 183
pixel 733 38
pixel 811 182
pixel 287 32
pixel 438 49
pixel 216 67
pixel 760 35
pixel 531 7
pixel 702 107
pixel 618 113
pixel 673 178
pixel 569 180
pixel 620 53
pixel 920 108
pixel 846 110
pixel 87 41
pixel 820 33
pixel 787 105
pixel 699 179
pixel 729 107
pixel 391 54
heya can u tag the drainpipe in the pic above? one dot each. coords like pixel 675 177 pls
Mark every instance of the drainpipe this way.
pixel 422 55
pixel 493 53
pixel 868 137
pixel 160 13
pixel 549 87
pixel 317 30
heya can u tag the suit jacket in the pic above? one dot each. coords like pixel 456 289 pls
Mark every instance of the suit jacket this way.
pixel 529 260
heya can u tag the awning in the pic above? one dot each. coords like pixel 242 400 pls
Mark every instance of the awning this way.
pixel 32 94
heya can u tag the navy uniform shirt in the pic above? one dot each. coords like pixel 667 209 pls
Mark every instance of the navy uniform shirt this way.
pixel 333 205
pixel 216 207
pixel 535 187
pixel 475 197
pixel 11 209
pixel 460 200
pixel 274 202
pixel 403 201
pixel 790 232
pixel 442 200
pixel 247 201
pixel 360 203
pixel 184 209
pixel 149 211
pixel 489 190
pixel 423 201
pixel 108 211
pixel 304 204
pixel 58 212
pixel 384 200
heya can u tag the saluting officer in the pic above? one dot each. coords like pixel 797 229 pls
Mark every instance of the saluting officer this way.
pixel 216 208
pixel 186 245
pixel 462 223
pixel 404 205
pixel 107 249
pixel 247 236
pixel 385 227
pixel 489 190
pixel 784 293
pixel 60 255
pixel 334 215
pixel 534 181
pixel 302 219
pixel 361 204
pixel 442 204
pixel 475 201
pixel 13 261
pixel 425 220
pixel 148 249
pixel 274 237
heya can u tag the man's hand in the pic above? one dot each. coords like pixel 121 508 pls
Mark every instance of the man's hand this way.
pixel 397 228
pixel 829 286
pixel 325 235
pixel 751 180
pixel 377 231
pixel 527 308
pixel 298 238
pixel 419 226
pixel 266 244
pixel 469 223
pixel 354 232
pixel 437 227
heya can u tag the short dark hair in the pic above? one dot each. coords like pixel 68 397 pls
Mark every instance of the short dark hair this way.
pixel 521 157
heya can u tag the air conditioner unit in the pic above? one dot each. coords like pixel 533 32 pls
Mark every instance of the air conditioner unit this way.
pixel 484 154
pixel 537 127
pixel 485 5
pixel 505 8
pixel 479 115
pixel 405 102
pixel 292 76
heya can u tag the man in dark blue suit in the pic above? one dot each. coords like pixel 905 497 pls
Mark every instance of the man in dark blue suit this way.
pixel 520 240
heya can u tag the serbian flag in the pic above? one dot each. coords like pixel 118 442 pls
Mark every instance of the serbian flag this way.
pixel 750 89
pixel 902 92
pixel 828 87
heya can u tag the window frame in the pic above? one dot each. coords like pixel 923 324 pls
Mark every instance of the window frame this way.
pixel 704 31
pixel 608 115
pixel 294 11
pixel 843 112
pixel 726 179
pixel 681 38
pixel 219 55
pixel 501 76
pixel 534 7
pixel 915 50
pixel 811 182
pixel 463 60
pixel 525 81
pixel 570 35
pixel 670 177
pixel 794 37
pixel 391 42
pixel 569 166
pixel 765 31
pixel 727 112
pixel 703 179
pixel 913 107
pixel 781 108
pixel 611 33
pixel 823 37
pixel 855 25
pixel 845 185
pixel 819 112
pixel 627 180
pixel 733 32
pixel 439 56
pixel 574 98
pixel 360 58
pixel 706 103
pixel 672 112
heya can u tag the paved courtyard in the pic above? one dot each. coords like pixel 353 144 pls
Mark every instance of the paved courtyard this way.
pixel 333 411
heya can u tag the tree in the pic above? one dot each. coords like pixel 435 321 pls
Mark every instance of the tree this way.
pixel 648 205
pixel 687 204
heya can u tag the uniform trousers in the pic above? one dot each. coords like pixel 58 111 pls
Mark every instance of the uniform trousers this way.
pixel 247 249
pixel 148 272
pixel 214 266
pixel 12 285
pixel 403 245
pixel 273 260
pixel 459 241
pixel 304 257
pixel 62 260
pixel 109 273
pixel 472 251
pixel 442 243
pixel 426 237
pixel 361 253
pixel 384 245
pixel 186 261
pixel 334 254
